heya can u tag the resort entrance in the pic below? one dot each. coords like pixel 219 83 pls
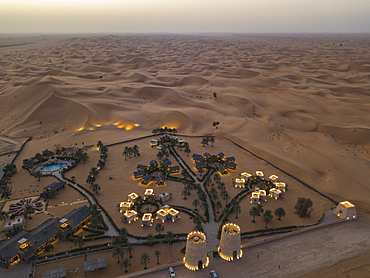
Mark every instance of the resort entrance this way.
pixel 200 264
pixel 235 254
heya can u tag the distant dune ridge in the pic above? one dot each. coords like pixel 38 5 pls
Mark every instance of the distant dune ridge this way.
pixel 301 101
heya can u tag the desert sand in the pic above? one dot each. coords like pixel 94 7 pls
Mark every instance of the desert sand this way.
pixel 299 101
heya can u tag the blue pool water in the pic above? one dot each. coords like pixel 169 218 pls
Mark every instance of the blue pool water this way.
pixel 53 167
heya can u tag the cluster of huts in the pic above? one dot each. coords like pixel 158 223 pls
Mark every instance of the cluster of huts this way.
pixel 202 159
pixel 160 179
pixel 165 213
pixel 166 138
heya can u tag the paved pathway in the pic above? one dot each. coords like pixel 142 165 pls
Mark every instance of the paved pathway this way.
pixel 297 255
pixel 111 230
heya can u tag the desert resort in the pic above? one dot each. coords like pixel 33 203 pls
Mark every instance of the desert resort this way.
pixel 193 210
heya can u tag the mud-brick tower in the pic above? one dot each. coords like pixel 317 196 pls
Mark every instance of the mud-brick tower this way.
pixel 196 251
pixel 230 243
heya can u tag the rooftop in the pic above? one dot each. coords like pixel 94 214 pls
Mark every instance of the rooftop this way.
pixel 55 273
pixel 347 204
pixel 55 185
pixel 147 217
pixel 95 264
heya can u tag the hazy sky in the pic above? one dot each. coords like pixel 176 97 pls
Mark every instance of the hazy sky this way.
pixel 178 16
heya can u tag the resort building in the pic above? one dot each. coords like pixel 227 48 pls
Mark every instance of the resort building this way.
pixel 124 206
pixel 165 196
pixel 167 213
pixel 230 242
pixel 138 174
pixel 174 138
pixel 55 186
pixel 160 179
pixel 275 193
pixel 231 165
pixel 15 224
pixel 129 216
pixel 196 256
pixel 181 141
pixel 273 178
pixel 154 142
pixel 198 157
pixel 200 165
pixel 220 155
pixel 206 155
pixel 346 210
pixel 174 169
pixel 153 162
pixel 166 162
pixel 132 197
pixel 246 176
pixel 260 174
pixel 258 196
pixel 240 183
pixel 74 221
pixel 146 220
pixel 141 167
pixel 25 245
pixel 148 192
pixel 230 159
pixel 146 180
pixel 281 186
pixel 159 147
pixel 222 170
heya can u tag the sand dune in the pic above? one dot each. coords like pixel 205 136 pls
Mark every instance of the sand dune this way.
pixel 299 101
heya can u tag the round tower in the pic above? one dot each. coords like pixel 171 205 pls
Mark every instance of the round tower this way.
pixel 230 243
pixel 196 251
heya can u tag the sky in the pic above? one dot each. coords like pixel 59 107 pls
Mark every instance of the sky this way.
pixel 184 16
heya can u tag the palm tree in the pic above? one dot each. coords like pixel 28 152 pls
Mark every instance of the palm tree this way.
pixel 184 193
pixel 157 253
pixel 135 150
pixel 237 209
pixel 213 191
pixel 187 150
pixel 169 237
pixel 254 212
pixel 94 210
pixel 79 240
pixel 90 179
pixel 204 205
pixel 38 175
pixel 160 155
pixel 195 203
pixel 126 263
pixel 125 152
pixel 217 178
pixel 99 145
pixel 29 210
pixel 144 259
pixel 159 228
pixel 267 217
pixel 4 190
pixel 215 124
pixel 150 237
pixel 280 212
pixel 117 241
pixel 96 188
pixel 184 173
pixel 94 172
pixel 100 164
pixel 204 142
pixel 212 139
pixel 103 156
pixel 226 196
pixel 118 253
pixel 123 234
pixel 130 250
pixel 83 157
pixel 260 209
pixel 3 216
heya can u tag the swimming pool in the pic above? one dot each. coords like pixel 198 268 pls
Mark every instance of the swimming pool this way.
pixel 53 167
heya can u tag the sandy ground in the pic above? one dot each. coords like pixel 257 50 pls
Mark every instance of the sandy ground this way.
pixel 113 269
pixel 299 102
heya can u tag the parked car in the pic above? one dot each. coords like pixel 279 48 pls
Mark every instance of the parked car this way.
pixel 172 273
pixel 213 274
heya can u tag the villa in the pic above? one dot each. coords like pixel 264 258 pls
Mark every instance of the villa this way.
pixel 281 186
pixel 165 196
pixel 124 206
pixel 275 193
pixel 346 210
pixel 138 174
pixel 230 159
pixel 146 220
pixel 174 169
pixel 207 155
pixel 129 216
pixel 15 224
pixel 166 162
pixel 273 178
pixel 141 167
pixel 198 157
pixel 146 180
pixel 160 179
pixel 200 165
pixel 260 174
pixel 246 176
pixel 231 165
pixel 153 162
pixel 222 169
pixel 239 183
pixel 55 186
pixel 148 192
pixel 220 155
pixel 167 213
pixel 258 196
pixel 132 197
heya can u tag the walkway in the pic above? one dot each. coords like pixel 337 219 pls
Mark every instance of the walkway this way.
pixel 111 230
